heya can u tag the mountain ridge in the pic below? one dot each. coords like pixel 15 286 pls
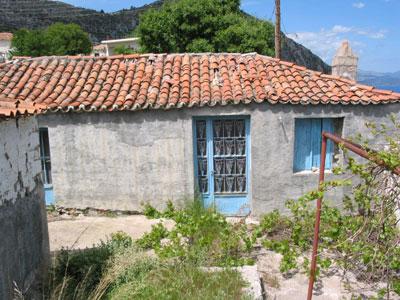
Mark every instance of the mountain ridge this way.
pixel 383 80
pixel 34 14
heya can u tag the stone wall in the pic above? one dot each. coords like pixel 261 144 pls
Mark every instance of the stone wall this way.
pixel 119 160
pixel 24 248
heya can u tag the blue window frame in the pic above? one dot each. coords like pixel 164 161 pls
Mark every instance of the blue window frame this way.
pixel 221 162
pixel 46 165
pixel 307 145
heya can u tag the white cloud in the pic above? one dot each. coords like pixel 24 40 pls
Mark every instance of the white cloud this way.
pixel 359 5
pixel 325 42
pixel 340 29
pixel 380 34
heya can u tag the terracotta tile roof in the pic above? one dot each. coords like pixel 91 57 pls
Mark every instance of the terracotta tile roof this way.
pixel 6 36
pixel 133 82
pixel 12 108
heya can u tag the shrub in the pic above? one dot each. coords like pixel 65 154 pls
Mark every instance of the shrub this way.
pixel 201 235
pixel 363 236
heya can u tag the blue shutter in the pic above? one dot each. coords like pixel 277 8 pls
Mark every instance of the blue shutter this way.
pixel 302 147
pixel 327 125
pixel 316 127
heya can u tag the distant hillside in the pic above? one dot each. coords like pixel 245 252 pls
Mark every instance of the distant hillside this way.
pixel 34 14
pixel 388 81
pixel 16 14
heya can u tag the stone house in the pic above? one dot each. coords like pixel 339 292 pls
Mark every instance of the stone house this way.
pixel 24 249
pixel 240 130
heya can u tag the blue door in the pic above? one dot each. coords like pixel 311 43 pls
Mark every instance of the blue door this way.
pixel 222 163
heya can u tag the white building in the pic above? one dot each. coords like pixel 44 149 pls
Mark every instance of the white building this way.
pixel 107 47
pixel 5 45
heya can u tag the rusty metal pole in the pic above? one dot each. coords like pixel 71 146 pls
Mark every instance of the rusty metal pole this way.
pixel 357 149
pixel 317 219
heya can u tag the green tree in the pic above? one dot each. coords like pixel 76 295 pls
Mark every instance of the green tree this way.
pixel 203 26
pixel 123 50
pixel 28 43
pixel 57 39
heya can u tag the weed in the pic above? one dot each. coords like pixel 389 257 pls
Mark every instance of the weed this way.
pixel 148 278
pixel 75 274
pixel 201 236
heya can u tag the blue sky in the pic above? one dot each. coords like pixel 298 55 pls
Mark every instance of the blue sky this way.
pixel 371 26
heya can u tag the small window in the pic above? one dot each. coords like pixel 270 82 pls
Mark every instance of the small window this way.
pixel 307 145
pixel 45 155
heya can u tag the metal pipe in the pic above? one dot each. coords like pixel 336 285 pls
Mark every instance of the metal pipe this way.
pixel 317 219
pixel 357 149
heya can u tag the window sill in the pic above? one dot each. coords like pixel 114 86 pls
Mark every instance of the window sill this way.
pixel 310 172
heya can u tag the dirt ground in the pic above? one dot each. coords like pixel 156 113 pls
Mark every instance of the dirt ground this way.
pixel 85 231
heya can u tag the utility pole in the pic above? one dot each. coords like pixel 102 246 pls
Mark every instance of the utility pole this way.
pixel 278 29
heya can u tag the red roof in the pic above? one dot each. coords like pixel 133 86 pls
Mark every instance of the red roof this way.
pixel 133 82
pixel 13 108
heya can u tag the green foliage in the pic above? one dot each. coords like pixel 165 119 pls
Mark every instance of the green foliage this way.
pixel 178 281
pixel 28 43
pixel 203 26
pixel 201 236
pixel 81 270
pixel 57 39
pixel 123 50
pixel 50 208
pixel 116 269
pixel 151 213
pixel 361 237
pixel 153 238
pixel 246 35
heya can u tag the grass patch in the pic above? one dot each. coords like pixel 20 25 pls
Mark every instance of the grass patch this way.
pixel 134 275
pixel 117 269
pixel 75 274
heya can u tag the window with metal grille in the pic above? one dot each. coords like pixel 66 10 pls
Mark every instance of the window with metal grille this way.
pixel 45 155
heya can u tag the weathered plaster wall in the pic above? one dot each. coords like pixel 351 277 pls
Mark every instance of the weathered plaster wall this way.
pixel 118 160
pixel 24 247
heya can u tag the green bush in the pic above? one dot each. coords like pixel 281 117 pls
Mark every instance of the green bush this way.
pixel 200 235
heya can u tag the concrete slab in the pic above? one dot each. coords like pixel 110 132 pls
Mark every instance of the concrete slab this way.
pixel 333 286
pixel 84 231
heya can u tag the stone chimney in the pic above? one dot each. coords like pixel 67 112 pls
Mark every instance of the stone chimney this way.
pixel 345 62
